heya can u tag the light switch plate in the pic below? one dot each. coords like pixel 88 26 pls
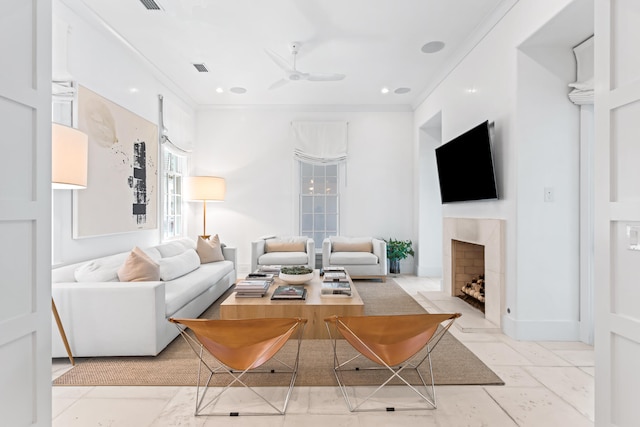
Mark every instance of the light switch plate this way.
pixel 633 234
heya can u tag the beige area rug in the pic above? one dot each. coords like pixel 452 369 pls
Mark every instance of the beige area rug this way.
pixel 176 365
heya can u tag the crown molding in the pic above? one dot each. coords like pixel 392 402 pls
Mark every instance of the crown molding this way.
pixel 312 108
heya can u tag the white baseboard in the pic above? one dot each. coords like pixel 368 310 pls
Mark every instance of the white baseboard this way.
pixel 541 330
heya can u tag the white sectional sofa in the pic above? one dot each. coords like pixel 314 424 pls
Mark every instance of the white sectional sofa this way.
pixel 105 317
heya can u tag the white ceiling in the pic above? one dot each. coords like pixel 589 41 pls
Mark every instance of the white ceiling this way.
pixel 375 43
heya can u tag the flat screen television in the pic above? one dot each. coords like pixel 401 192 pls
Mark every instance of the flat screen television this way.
pixel 465 166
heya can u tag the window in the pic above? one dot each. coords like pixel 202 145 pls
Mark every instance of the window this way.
pixel 174 167
pixel 319 201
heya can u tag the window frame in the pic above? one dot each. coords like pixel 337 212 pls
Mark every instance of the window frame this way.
pixel 174 171
pixel 315 232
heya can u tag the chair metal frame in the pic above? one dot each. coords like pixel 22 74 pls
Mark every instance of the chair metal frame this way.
pixel 289 367
pixel 412 363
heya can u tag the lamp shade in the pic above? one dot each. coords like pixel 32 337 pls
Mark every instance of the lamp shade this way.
pixel 204 188
pixel 69 153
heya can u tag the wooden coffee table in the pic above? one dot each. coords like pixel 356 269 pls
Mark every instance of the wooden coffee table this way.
pixel 315 307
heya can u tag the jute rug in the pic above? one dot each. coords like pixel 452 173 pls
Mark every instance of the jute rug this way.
pixel 176 365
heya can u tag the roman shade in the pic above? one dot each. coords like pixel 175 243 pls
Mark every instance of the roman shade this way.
pixel 173 118
pixel 322 142
pixel 582 93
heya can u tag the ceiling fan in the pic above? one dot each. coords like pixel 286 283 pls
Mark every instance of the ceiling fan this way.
pixel 293 74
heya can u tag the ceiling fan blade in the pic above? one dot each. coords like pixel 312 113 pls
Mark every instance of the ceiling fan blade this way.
pixel 280 61
pixel 316 77
pixel 279 83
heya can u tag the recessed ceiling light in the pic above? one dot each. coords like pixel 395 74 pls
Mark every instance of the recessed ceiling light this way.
pixel 384 90
pixel 238 90
pixel 134 90
pixel 402 90
pixel 219 90
pixel 432 47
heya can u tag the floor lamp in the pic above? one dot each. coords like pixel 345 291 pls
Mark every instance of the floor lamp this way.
pixel 207 189
pixel 69 151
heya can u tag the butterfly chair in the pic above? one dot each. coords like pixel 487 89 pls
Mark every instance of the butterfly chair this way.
pixel 237 348
pixel 397 344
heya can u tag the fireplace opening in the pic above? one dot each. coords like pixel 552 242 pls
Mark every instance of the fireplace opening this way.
pixel 489 235
pixel 468 273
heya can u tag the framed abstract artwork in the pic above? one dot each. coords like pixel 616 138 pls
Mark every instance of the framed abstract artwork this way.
pixel 122 184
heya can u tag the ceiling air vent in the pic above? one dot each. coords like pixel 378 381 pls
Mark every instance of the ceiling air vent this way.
pixel 201 68
pixel 150 4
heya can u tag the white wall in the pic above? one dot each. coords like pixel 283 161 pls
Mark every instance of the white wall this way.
pixel 97 60
pixel 485 85
pixel 548 232
pixel 429 217
pixel 251 149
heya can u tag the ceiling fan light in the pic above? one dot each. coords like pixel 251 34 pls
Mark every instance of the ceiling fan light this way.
pixel 293 74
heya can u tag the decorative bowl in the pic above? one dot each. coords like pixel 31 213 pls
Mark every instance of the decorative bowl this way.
pixel 295 275
pixel 295 279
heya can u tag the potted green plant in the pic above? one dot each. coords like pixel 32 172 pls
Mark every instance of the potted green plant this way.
pixel 396 251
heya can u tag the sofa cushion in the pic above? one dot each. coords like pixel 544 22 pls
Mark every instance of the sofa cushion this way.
pixel 209 250
pixel 138 267
pixel 153 253
pixel 277 245
pixel 100 270
pixel 352 246
pixel 176 266
pixel 283 258
pixel 353 258
pixel 171 249
pixel 183 290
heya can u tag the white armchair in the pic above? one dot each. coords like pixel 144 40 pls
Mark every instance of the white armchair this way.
pixel 362 257
pixel 294 250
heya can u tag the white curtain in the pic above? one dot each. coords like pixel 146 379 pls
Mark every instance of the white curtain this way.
pixel 582 93
pixel 320 142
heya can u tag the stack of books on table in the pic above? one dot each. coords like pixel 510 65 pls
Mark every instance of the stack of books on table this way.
pixel 335 276
pixel 273 269
pixel 289 292
pixel 335 288
pixel 258 275
pixel 252 288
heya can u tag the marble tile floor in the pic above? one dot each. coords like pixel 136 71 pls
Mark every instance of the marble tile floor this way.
pixel 546 384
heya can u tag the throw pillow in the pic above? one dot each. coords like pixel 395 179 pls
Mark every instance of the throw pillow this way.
pixel 138 267
pixel 280 246
pixel 179 265
pixel 352 247
pixel 209 250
